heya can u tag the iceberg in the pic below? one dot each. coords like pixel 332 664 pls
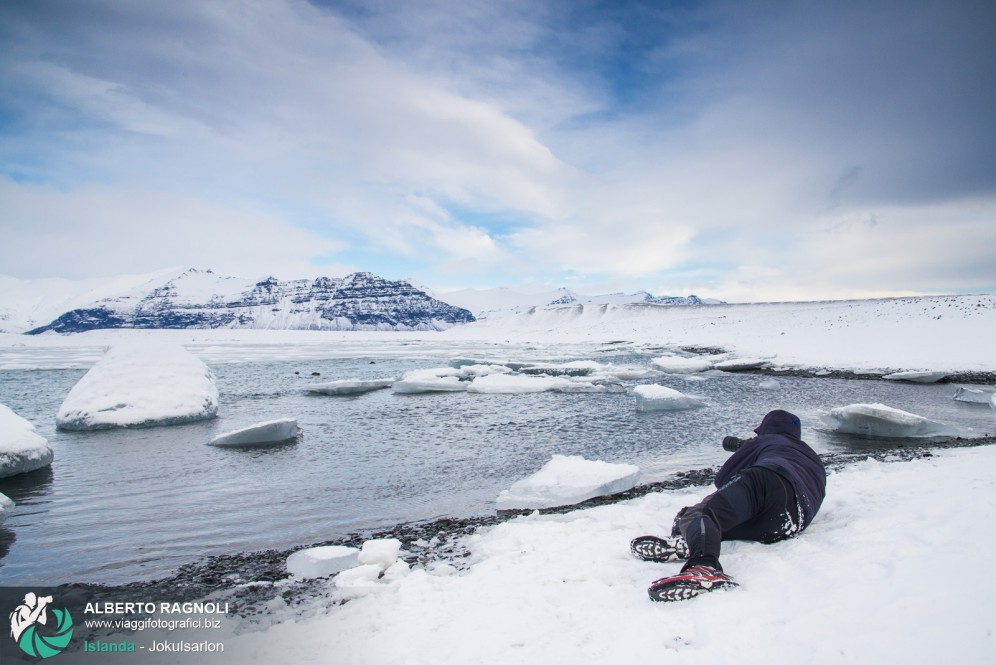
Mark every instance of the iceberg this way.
pixel 661 398
pixel 268 433
pixel 916 376
pixel 322 561
pixel 6 507
pixel 880 421
pixel 348 386
pixel 974 395
pixel 141 386
pixel 22 449
pixel 680 365
pixel 567 480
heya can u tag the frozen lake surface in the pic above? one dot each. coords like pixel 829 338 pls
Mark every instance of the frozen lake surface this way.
pixel 134 504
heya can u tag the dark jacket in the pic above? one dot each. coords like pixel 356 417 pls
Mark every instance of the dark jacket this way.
pixel 779 447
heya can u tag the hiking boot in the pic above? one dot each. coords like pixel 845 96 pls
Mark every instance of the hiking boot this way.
pixel 660 550
pixel 690 583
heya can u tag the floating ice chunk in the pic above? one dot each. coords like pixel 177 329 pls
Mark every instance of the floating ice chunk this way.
pixel 974 395
pixel 769 384
pixel 567 480
pixel 348 386
pixel 878 420
pixel 322 561
pixel 661 398
pixel 444 379
pixel 141 386
pixel 576 368
pixel 382 552
pixel 680 365
pixel 474 371
pixel 6 507
pixel 268 433
pixel 22 449
pixel 741 364
pixel 508 384
pixel 916 377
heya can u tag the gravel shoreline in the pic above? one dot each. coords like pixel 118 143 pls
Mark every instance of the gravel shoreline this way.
pixel 251 582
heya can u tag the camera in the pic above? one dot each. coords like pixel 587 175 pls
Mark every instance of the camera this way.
pixel 732 443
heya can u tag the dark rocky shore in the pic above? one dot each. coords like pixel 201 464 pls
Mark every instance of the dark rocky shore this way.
pixel 251 582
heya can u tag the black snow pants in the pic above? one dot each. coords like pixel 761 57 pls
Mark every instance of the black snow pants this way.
pixel 758 505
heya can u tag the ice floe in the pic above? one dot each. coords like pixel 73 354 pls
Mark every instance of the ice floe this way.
pixel 267 433
pixel 567 480
pixel 22 449
pixel 741 364
pixel 141 386
pixel 681 365
pixel 6 507
pixel 430 381
pixel 916 376
pixel 974 395
pixel 661 398
pixel 348 386
pixel 879 420
pixel 517 384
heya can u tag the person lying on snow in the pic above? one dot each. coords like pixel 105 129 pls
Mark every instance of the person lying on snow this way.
pixel 770 489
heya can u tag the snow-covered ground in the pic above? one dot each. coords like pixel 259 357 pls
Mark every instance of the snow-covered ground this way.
pixel 893 570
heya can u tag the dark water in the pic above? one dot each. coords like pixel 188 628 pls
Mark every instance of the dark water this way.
pixel 134 504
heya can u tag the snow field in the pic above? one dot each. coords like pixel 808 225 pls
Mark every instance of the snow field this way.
pixel 882 575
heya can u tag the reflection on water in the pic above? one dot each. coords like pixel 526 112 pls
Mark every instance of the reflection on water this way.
pixel 122 505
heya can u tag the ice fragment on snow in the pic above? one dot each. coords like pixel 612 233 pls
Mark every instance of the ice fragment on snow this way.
pixel 878 420
pixel 322 561
pixel 22 449
pixel 266 433
pixel 661 398
pixel 382 552
pixel 567 480
pixel 141 385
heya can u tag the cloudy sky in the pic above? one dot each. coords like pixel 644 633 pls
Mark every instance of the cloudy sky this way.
pixel 745 151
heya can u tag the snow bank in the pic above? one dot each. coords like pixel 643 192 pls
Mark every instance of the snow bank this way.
pixel 348 386
pixel 141 385
pixel 322 561
pixel 661 398
pixel 680 365
pixel 6 507
pixel 22 449
pixel 567 480
pixel 878 420
pixel 268 433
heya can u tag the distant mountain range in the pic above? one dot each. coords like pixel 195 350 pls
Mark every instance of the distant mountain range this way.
pixel 487 303
pixel 203 299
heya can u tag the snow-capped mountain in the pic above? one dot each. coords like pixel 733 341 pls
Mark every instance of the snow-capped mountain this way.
pixel 204 299
pixel 485 303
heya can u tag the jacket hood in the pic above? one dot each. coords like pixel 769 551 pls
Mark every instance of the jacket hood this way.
pixel 780 422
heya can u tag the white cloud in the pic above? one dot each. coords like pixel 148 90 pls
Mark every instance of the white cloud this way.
pixel 101 231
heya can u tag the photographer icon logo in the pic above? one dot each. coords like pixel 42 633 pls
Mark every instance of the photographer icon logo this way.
pixel 30 627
